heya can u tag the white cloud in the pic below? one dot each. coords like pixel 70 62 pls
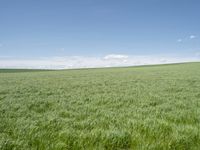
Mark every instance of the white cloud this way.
pixel 179 40
pixel 186 39
pixel 192 37
pixel 115 56
pixel 68 62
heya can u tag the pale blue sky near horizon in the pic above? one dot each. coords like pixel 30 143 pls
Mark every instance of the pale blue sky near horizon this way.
pixel 49 28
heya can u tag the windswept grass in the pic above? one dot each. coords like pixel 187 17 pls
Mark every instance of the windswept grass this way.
pixel 155 108
pixel 20 70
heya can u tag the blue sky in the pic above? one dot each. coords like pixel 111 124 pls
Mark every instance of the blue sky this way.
pixel 35 29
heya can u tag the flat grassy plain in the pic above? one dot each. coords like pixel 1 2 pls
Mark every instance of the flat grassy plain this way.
pixel 148 107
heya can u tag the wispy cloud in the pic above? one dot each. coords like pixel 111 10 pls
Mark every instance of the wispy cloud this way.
pixel 193 37
pixel 179 40
pixel 67 62
pixel 115 56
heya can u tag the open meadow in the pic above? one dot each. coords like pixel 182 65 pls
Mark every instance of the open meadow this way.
pixel 148 107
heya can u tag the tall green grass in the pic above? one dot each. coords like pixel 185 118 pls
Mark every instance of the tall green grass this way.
pixel 155 108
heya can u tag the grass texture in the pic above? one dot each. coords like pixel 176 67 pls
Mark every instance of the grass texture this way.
pixel 139 108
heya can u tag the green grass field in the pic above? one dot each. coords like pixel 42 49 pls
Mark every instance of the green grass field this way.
pixel 142 108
